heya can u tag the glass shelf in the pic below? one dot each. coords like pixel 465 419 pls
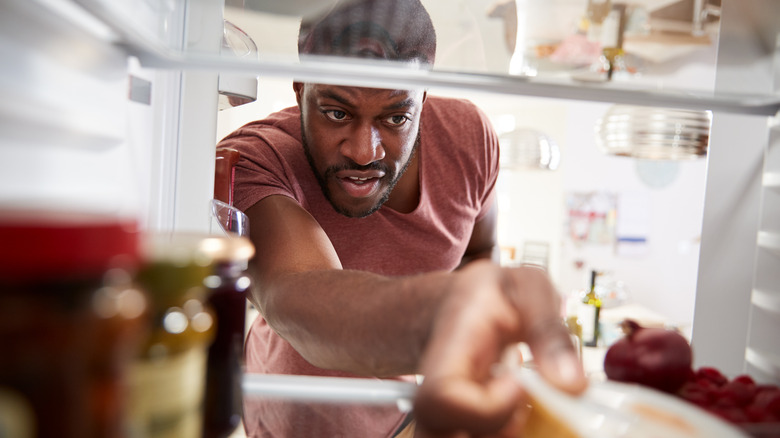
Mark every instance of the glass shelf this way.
pixel 479 60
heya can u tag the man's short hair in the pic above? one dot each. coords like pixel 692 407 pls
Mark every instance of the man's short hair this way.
pixel 397 30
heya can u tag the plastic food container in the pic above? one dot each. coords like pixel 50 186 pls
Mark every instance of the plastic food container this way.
pixel 71 319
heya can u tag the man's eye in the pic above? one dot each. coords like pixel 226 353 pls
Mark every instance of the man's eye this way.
pixel 336 114
pixel 397 120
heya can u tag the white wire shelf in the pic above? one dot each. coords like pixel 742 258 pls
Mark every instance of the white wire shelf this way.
pixel 771 180
pixel 330 389
pixel 765 361
pixel 153 54
pixel 767 300
pixel 769 240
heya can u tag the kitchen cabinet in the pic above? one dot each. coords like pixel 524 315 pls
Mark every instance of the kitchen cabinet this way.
pixel 111 105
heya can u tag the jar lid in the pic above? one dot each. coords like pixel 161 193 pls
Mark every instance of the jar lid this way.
pixel 227 249
pixel 44 246
pixel 176 264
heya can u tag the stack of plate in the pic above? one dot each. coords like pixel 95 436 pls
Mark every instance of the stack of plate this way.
pixel 654 133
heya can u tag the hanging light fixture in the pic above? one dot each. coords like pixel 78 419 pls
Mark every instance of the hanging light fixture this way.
pixel 654 133
pixel 528 149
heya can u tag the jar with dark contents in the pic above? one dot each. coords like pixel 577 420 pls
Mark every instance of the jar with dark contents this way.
pixel 168 375
pixel 71 320
pixel 227 286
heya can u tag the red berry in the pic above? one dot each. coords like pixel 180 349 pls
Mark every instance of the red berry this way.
pixel 768 399
pixel 712 374
pixel 744 378
pixel 706 384
pixel 738 392
pixel 731 414
pixel 695 394
pixel 756 414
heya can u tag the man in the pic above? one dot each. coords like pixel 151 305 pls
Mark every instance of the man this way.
pixel 369 209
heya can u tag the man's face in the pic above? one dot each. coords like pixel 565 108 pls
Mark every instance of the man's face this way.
pixel 359 141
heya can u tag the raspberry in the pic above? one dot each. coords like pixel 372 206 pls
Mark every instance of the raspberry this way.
pixel 768 399
pixel 695 394
pixel 741 394
pixel 730 414
pixel 711 374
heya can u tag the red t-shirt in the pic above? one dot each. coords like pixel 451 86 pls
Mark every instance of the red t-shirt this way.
pixel 458 156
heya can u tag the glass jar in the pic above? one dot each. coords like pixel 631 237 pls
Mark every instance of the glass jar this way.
pixel 227 286
pixel 71 319
pixel 169 373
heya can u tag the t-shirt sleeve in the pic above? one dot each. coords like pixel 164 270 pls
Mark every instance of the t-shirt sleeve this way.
pixel 490 161
pixel 262 170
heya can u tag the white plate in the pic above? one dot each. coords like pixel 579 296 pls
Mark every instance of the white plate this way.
pixel 610 409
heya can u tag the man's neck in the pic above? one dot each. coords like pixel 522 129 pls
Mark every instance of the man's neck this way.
pixel 406 193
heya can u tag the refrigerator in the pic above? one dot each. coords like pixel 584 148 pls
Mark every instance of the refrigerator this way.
pixel 113 107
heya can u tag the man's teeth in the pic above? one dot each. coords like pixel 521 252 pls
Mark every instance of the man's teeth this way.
pixel 355 178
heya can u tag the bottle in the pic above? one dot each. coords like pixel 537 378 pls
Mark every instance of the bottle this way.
pixel 589 314
pixel 574 325
pixel 168 375
pixel 612 39
pixel 71 321
pixel 226 287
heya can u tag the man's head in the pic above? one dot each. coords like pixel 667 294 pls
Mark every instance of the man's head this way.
pixel 360 141
pixel 395 30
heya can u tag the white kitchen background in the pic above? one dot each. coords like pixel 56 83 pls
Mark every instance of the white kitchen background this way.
pixel 664 200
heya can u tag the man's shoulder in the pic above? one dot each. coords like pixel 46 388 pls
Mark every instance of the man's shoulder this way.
pixel 276 130
pixel 449 109
pixel 453 114
pixel 450 103
pixel 286 121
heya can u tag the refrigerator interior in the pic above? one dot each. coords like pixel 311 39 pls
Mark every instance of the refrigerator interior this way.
pixel 112 106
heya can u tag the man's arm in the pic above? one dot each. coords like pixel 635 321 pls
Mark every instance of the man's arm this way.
pixel 451 327
pixel 348 320
pixel 484 241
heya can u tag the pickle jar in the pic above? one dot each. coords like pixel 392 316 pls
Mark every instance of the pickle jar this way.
pixel 227 287
pixel 71 321
pixel 168 375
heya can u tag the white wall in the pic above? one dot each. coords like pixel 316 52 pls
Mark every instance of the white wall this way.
pixel 664 277
pixel 533 202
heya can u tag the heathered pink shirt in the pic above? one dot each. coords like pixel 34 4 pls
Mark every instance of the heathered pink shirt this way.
pixel 458 170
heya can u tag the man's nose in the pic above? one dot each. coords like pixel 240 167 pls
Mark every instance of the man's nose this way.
pixel 364 145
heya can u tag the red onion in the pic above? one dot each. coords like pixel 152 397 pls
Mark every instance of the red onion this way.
pixel 654 357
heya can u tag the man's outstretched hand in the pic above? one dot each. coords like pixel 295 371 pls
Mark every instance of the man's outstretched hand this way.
pixel 465 393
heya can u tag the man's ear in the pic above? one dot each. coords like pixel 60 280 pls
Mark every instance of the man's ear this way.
pixel 298 89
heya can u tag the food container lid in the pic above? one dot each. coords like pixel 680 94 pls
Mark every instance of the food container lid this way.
pixel 226 249
pixel 52 246
pixel 174 268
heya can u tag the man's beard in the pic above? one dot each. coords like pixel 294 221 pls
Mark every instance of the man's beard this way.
pixel 351 165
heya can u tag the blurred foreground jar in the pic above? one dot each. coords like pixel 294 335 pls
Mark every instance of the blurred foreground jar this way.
pixel 227 286
pixel 168 376
pixel 71 320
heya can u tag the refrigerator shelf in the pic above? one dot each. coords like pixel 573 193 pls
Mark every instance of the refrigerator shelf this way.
pixel 771 180
pixel 330 389
pixel 766 300
pixel 765 361
pixel 769 240
pixel 153 53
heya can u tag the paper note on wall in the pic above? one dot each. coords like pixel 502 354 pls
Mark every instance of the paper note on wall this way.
pixel 633 223
pixel 591 217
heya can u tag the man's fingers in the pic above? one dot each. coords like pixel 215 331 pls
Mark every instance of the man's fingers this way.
pixel 456 403
pixel 538 305
pixel 555 356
